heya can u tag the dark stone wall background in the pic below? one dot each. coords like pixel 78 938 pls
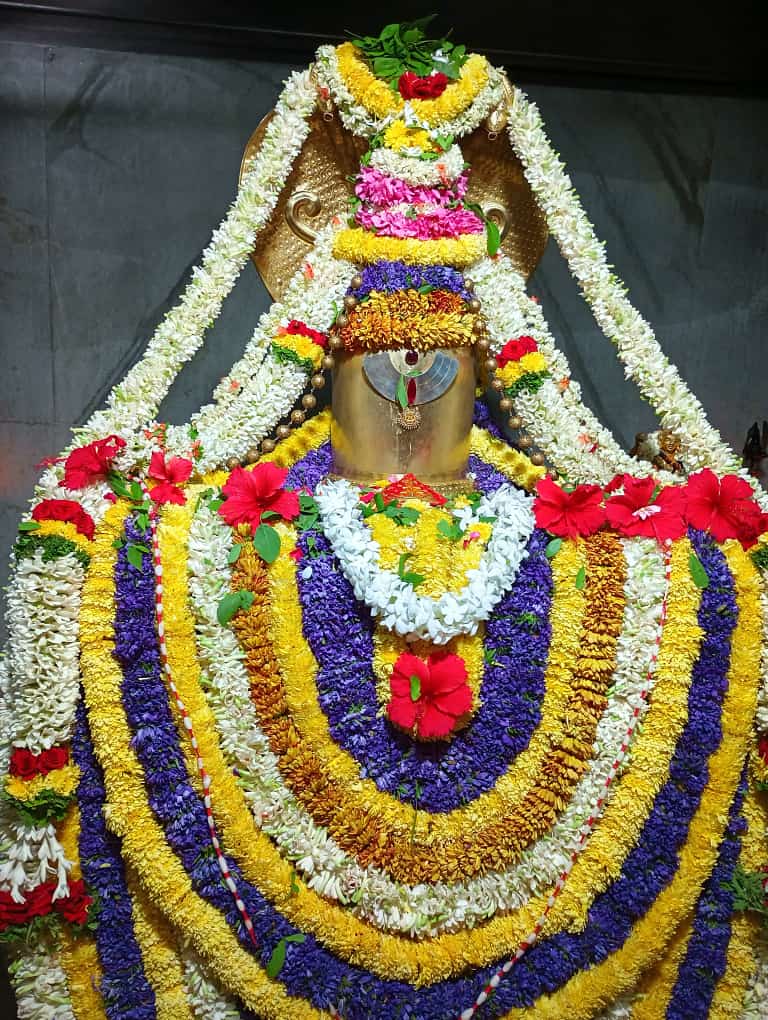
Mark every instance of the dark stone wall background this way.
pixel 116 167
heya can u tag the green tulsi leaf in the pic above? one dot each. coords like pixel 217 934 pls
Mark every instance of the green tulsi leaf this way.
pixel 401 392
pixel 29 526
pixel 553 548
pixel 266 542
pixel 581 578
pixel 234 553
pixel 493 235
pixel 698 573
pixel 415 687
pixel 277 959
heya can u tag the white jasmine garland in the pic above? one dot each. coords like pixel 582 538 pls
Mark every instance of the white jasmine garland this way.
pixel 761 716
pixel 360 121
pixel 639 351
pixel 756 994
pixel 421 910
pixel 32 855
pixel 205 998
pixel 43 605
pixel 420 173
pixel 40 985
pixel 393 600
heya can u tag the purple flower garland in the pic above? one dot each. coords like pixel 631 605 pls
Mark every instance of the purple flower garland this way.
pixel 388 277
pixel 124 987
pixel 311 469
pixel 706 955
pixel 441 776
pixel 315 974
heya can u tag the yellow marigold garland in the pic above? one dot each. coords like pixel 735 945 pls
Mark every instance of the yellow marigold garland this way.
pixel 375 95
pixel 376 827
pixel 362 247
pixel 62 781
pixel 406 318
pixel 659 982
pixel 512 463
pixel 588 991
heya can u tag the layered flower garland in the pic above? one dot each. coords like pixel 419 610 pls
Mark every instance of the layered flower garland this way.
pixel 394 600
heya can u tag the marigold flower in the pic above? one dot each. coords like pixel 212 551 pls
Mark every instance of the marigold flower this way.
pixel 725 507
pixel 169 474
pixel 65 510
pixel 637 512
pixel 252 493
pixel 91 463
pixel 429 698
pixel 568 514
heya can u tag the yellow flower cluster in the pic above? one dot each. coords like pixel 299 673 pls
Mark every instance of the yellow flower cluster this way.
pixel 65 530
pixel 62 781
pixel 505 458
pixel 399 136
pixel 514 370
pixel 302 347
pixel 362 247
pixel 375 95
pixel 408 319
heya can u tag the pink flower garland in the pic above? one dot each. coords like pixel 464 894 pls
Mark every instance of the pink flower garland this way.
pixel 437 223
pixel 380 189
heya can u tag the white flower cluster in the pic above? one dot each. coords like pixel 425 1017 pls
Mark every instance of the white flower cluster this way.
pixel 420 173
pixel 393 600
pixel 205 998
pixel 32 856
pixel 360 121
pixel 40 985
pixel 761 716
pixel 644 361
pixel 756 995
pixel 421 910
pixel 136 399
pixel 43 604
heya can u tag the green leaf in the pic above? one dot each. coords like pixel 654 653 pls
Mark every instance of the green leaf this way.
pixel 378 501
pixel 426 288
pixel 401 393
pixel 136 492
pixel 29 526
pixel 415 687
pixel 118 485
pixel 698 573
pixel 234 553
pixel 266 542
pixel 295 889
pixel 231 603
pixel 214 504
pixel 581 577
pixel 494 237
pixel 118 543
pixel 413 579
pixel 404 557
pixel 450 530
pixel 277 959
pixel 134 554
pixel 553 548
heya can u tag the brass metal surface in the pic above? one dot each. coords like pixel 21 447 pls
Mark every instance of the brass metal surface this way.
pixel 318 190
pixel 367 442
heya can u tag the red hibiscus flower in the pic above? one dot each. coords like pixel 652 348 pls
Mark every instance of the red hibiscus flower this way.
pixel 251 493
pixel 74 906
pixel 725 507
pixel 568 514
pixel 615 483
pixel 513 350
pixel 412 86
pixel 169 474
pixel 636 512
pixel 91 463
pixel 297 328
pixel 64 510
pixel 25 764
pixel 429 698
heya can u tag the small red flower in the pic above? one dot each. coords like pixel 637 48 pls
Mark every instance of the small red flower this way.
pixel 429 698
pixel 65 510
pixel 37 903
pixel 568 514
pixel 26 765
pixel 725 507
pixel 513 350
pixel 296 554
pixel 762 746
pixel 251 493
pixel 91 463
pixel 411 86
pixel 169 474
pixel 74 906
pixel 636 512
pixel 297 328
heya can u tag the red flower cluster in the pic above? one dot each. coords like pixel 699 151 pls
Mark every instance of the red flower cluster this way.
pixel 762 747
pixel 27 765
pixel 298 328
pixel 169 475
pixel 429 698
pixel 65 510
pixel 513 350
pixel 91 463
pixel 725 507
pixel 411 86
pixel 39 902
pixel 252 493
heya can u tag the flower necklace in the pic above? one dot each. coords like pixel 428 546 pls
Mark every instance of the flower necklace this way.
pixel 391 597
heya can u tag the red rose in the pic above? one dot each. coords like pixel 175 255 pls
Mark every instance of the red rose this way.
pixel 428 698
pixel 74 907
pixel 251 493
pixel 636 512
pixel 23 763
pixel 170 474
pixel 51 759
pixel 297 328
pixel 513 350
pixel 568 514
pixel 725 507
pixel 762 746
pixel 411 86
pixel 37 903
pixel 64 510
pixel 91 463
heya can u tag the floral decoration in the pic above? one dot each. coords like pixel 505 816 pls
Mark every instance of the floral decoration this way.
pixel 414 86
pixel 252 494
pixel 725 507
pixel 66 510
pixel 569 514
pixel 169 473
pixel 409 318
pixel 644 510
pixel 429 697
pixel 91 463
